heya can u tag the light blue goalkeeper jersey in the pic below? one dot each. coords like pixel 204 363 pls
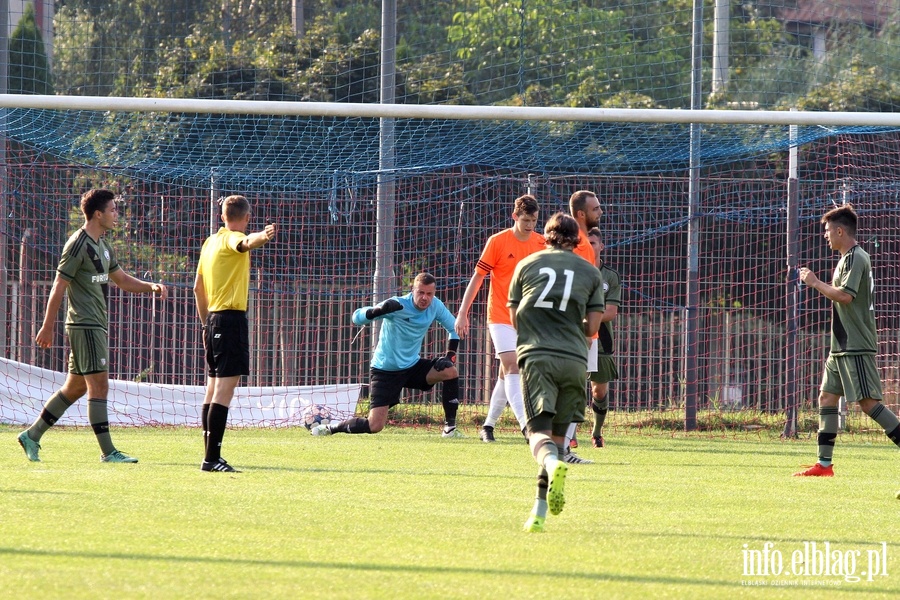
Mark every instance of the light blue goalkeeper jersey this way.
pixel 402 332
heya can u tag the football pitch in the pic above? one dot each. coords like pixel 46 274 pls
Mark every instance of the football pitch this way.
pixel 406 514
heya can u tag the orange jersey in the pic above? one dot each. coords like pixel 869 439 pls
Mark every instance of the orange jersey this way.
pixel 585 251
pixel 499 258
pixel 584 248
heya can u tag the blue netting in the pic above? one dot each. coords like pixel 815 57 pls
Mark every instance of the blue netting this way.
pixel 282 153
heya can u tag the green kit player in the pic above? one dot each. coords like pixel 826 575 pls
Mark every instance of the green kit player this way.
pixel 850 368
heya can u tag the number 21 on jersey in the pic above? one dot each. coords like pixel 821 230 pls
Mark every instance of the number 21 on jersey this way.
pixel 551 281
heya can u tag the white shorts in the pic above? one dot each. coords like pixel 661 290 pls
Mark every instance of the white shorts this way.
pixel 504 338
pixel 592 357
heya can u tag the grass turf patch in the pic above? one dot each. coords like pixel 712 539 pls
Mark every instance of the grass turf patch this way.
pixel 407 514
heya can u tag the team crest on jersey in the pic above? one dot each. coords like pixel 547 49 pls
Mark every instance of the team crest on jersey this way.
pixel 103 361
pixel 605 287
pixel 106 254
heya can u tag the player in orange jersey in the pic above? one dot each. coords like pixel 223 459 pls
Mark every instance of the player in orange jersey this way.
pixel 501 254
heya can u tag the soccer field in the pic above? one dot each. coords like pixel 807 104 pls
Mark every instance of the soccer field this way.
pixel 406 514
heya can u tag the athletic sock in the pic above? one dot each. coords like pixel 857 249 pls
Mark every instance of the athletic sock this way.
pixel 351 425
pixel 450 400
pixel 544 450
pixel 570 433
pixel 54 408
pixel 600 407
pixel 98 417
pixel 498 403
pixel 204 421
pixel 216 421
pixel 888 421
pixel 540 500
pixel 828 428
pixel 512 386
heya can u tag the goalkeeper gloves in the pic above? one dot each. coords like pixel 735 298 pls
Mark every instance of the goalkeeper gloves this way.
pixel 449 359
pixel 385 308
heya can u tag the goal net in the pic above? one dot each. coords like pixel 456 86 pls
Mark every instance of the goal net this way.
pixel 761 338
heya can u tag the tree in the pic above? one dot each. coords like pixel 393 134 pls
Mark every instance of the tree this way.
pixel 29 70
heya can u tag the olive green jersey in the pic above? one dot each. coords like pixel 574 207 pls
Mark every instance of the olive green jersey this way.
pixel 86 265
pixel 552 291
pixel 612 293
pixel 853 324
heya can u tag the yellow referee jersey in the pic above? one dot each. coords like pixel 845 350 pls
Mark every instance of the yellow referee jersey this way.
pixel 225 271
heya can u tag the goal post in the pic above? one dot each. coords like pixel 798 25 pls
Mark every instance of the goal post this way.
pixel 326 195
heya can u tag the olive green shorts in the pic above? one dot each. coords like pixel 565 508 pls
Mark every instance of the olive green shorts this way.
pixel 606 370
pixel 853 377
pixel 89 350
pixel 553 389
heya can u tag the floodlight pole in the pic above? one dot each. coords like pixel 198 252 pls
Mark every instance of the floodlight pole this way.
pixel 384 284
pixel 692 299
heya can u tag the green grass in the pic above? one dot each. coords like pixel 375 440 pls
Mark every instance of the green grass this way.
pixel 405 514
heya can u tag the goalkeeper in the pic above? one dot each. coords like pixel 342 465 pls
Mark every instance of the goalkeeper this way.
pixel 396 362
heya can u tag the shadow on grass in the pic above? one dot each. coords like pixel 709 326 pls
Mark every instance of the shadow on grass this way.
pixel 407 568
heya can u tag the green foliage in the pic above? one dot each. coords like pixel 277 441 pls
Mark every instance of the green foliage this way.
pixel 139 259
pixel 609 53
pixel 29 71
pixel 862 88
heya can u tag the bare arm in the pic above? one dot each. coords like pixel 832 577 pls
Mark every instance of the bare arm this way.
pixel 829 291
pixel 258 239
pixel 136 286
pixel 201 298
pixel 610 311
pixel 44 337
pixel 592 323
pixel 462 317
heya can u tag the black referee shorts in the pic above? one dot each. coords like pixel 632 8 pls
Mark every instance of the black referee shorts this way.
pixel 227 341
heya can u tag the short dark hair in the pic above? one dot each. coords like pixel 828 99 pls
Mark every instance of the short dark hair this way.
pixel 235 207
pixel 525 205
pixel 94 200
pixel 578 200
pixel 595 232
pixel 842 216
pixel 561 231
pixel 424 279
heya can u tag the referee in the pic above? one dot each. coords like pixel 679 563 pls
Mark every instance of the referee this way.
pixel 222 290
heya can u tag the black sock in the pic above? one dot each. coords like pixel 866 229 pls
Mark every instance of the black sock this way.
pixel 894 435
pixel 450 400
pixel 204 421
pixel 352 425
pixel 217 419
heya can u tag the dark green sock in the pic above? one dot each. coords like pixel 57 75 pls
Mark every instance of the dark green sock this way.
pixel 888 421
pixel 828 427
pixel 600 407
pixel 98 417
pixel 56 406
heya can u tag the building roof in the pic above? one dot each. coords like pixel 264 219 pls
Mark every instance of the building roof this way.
pixel 872 13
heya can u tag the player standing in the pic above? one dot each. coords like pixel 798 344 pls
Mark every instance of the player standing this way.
pixel 222 291
pixel 85 269
pixel 396 361
pixel 584 206
pixel 555 300
pixel 850 369
pixel 606 370
pixel 499 258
